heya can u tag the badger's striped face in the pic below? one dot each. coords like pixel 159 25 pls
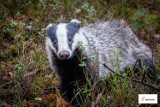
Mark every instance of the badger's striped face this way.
pixel 61 38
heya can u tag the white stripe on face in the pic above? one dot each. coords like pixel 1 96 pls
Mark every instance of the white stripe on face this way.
pixel 49 44
pixel 62 38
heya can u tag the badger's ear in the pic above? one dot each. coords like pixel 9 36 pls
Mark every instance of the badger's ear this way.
pixel 51 29
pixel 75 23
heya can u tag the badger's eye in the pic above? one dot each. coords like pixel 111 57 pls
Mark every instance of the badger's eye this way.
pixel 55 43
pixel 70 40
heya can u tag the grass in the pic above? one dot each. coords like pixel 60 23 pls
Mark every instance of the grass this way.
pixel 22 49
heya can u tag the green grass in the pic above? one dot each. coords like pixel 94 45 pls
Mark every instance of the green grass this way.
pixel 22 49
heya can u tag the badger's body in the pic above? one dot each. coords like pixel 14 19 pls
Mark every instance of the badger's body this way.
pixel 116 44
pixel 105 42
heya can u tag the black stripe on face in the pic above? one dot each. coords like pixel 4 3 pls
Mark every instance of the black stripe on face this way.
pixel 72 29
pixel 51 33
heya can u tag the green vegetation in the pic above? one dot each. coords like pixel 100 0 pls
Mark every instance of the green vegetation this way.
pixel 25 77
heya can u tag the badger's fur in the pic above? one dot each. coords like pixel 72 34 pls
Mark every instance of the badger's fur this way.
pixel 105 42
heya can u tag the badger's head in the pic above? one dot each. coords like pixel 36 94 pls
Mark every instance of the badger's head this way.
pixel 63 38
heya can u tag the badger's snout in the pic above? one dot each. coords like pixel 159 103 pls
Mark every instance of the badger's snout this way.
pixel 63 55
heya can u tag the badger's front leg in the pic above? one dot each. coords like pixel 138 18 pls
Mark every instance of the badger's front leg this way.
pixel 68 88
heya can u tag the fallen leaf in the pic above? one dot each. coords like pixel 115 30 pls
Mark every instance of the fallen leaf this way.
pixel 12 74
pixel 50 96
pixel 60 102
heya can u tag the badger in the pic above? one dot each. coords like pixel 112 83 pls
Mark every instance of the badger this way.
pixel 72 48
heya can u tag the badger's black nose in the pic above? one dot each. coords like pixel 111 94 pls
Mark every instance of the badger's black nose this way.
pixel 64 55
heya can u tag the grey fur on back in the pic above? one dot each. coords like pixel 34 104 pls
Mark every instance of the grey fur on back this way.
pixel 116 44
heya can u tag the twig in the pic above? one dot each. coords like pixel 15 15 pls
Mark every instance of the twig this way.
pixel 137 86
pixel 29 74
pixel 133 90
pixel 98 100
pixel 135 80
